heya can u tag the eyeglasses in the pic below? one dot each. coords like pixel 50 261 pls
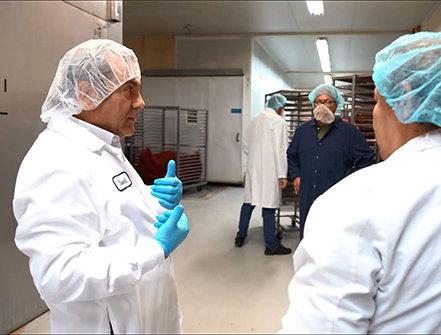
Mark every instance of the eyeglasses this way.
pixel 327 103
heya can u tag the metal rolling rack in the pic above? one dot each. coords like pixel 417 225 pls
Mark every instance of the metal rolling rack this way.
pixel 298 110
pixel 358 92
pixel 184 130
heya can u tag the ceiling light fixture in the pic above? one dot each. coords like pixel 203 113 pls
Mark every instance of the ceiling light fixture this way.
pixel 323 51
pixel 328 79
pixel 315 7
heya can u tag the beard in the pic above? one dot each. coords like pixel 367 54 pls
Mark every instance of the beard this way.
pixel 324 114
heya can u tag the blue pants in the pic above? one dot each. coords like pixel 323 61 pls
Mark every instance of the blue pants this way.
pixel 269 224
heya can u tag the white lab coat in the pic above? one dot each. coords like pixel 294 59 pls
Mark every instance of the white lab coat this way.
pixel 371 257
pixel 266 145
pixel 89 236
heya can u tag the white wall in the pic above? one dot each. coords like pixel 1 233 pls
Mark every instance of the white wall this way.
pixel 219 53
pixel 266 77
pixel 262 74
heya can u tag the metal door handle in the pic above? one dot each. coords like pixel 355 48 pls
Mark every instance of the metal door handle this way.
pixel 237 137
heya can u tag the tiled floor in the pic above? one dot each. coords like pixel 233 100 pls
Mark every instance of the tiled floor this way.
pixel 223 289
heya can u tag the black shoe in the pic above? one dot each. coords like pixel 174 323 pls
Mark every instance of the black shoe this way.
pixel 279 250
pixel 239 241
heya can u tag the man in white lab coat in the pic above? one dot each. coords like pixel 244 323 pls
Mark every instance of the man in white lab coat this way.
pixel 98 239
pixel 373 265
pixel 267 168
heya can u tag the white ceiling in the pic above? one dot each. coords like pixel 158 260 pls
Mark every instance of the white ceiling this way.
pixel 356 30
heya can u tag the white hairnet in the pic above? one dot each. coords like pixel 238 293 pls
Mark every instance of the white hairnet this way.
pixel 328 90
pixel 408 74
pixel 87 75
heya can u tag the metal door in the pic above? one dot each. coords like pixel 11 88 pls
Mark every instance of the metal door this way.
pixel 225 130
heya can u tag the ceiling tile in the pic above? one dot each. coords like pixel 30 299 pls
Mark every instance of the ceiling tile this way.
pixel 363 49
pixel 338 16
pixel 294 55
pixel 390 15
pixel 206 17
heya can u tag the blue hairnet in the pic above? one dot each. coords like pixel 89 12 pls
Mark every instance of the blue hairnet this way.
pixel 408 74
pixel 328 90
pixel 276 101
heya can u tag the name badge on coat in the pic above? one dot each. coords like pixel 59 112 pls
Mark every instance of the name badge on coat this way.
pixel 122 181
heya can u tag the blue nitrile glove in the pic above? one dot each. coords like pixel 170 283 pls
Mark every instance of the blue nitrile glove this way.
pixel 168 189
pixel 162 219
pixel 173 231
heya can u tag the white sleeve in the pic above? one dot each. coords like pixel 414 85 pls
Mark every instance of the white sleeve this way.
pixel 280 145
pixel 337 266
pixel 61 232
pixel 245 146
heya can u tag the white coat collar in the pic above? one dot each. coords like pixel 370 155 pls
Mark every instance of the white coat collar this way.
pixel 76 133
pixel 270 110
pixel 423 142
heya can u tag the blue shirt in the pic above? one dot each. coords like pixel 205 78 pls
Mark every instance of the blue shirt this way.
pixel 322 163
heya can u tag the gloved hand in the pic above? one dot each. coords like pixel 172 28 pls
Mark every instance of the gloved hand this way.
pixel 168 189
pixel 173 231
pixel 162 219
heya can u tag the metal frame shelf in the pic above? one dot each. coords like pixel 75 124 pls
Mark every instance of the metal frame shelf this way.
pixel 298 108
pixel 358 92
pixel 184 130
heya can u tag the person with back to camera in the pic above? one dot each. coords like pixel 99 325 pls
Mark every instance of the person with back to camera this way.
pixel 324 150
pixel 98 239
pixel 373 267
pixel 265 147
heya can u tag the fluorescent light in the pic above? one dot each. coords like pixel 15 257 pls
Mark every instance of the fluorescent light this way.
pixel 323 51
pixel 328 79
pixel 315 7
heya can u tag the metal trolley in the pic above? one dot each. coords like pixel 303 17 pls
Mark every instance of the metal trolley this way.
pixel 184 130
pixel 298 110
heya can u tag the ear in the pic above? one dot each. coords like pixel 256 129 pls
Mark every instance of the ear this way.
pixel 406 86
pixel 85 94
pixel 406 106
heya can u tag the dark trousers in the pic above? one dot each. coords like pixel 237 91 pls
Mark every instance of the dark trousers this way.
pixel 305 205
pixel 269 224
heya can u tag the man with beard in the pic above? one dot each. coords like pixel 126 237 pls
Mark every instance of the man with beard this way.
pixel 324 150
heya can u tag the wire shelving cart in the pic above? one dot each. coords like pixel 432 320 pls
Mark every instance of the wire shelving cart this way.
pixel 171 132
pixel 358 92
